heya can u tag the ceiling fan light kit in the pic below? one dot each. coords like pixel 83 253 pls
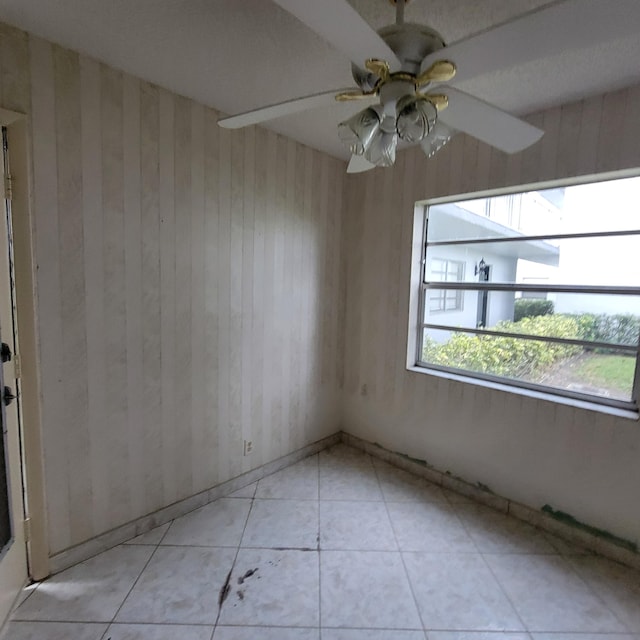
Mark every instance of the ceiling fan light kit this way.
pixel 405 62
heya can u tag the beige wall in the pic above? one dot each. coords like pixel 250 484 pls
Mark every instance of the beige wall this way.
pixel 533 451
pixel 188 289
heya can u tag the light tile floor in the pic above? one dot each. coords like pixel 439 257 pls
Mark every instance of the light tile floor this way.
pixel 340 547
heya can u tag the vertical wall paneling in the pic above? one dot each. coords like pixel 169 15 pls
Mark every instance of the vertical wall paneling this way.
pixel 469 169
pixel 247 304
pixel 73 369
pixel 279 310
pixel 392 288
pixel 457 155
pixel 183 296
pixel 483 166
pixel 235 337
pixel 267 442
pixel 570 120
pixel 115 351
pixel 355 194
pixel 196 393
pixel 45 197
pixel 612 128
pixel 297 266
pixel 531 157
pixel 168 294
pixel 151 427
pixel 549 143
pixel 587 142
pixel 291 296
pixel 210 463
pixel 224 299
pixel 630 128
pixel 94 279
pixel 308 294
pixel 322 310
pixel 498 165
pixel 342 286
pixel 258 282
pixel 334 248
pixel 134 291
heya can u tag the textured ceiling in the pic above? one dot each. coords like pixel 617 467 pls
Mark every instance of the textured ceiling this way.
pixel 235 55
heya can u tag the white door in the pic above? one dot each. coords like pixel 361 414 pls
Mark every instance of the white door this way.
pixel 13 553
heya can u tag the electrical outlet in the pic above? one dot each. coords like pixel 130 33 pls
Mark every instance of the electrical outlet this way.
pixel 248 447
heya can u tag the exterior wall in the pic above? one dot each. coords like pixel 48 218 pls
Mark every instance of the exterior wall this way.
pixel 500 303
pixel 531 450
pixel 189 289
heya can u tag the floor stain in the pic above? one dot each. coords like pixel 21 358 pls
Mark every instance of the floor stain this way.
pixel 247 574
pixel 224 591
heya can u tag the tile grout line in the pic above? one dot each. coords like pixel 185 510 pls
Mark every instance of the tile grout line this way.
pixel 135 582
pixel 15 606
pixel 486 564
pixel 593 591
pixel 235 558
pixel 399 551
pixel 505 594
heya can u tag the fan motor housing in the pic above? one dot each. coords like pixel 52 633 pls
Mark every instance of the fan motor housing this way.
pixel 411 42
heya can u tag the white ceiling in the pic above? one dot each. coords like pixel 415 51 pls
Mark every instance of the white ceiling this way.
pixel 235 55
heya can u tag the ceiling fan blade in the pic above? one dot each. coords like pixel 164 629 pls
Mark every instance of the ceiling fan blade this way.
pixel 565 26
pixel 342 26
pixel 358 164
pixel 270 112
pixel 487 123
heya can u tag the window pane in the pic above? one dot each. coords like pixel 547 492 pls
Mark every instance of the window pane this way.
pixel 597 207
pixel 440 300
pixel 608 260
pixel 603 373
pixel 514 254
pixel 594 317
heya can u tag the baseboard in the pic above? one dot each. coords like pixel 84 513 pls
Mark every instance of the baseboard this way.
pixel 581 537
pixel 578 534
pixel 114 537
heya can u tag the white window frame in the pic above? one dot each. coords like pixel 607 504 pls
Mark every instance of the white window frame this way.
pixel 418 298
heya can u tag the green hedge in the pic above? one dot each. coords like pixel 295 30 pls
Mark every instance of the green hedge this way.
pixel 509 357
pixel 531 307
pixel 621 328
pixel 516 358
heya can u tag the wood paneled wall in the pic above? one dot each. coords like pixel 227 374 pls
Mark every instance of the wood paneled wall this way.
pixel 538 452
pixel 189 289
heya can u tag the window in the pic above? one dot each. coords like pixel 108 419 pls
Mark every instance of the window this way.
pixel 446 271
pixel 546 289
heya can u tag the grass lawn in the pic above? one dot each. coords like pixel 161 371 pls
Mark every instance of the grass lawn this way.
pixel 613 372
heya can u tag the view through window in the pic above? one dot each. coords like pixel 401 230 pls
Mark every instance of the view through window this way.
pixel 539 289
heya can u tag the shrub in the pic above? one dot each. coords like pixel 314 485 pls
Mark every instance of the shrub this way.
pixel 531 307
pixel 509 357
pixel 621 328
pixel 516 358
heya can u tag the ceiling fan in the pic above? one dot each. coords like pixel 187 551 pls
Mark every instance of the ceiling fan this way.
pixel 407 73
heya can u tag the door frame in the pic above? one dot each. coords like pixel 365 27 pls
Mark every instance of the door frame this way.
pixel 18 131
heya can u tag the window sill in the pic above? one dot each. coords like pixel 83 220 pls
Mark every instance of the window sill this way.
pixel 529 393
